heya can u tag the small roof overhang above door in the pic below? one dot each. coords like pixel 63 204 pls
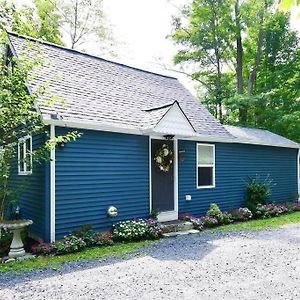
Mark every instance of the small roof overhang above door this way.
pixel 169 120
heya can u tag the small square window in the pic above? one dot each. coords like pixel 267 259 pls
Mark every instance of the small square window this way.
pixel 205 166
pixel 25 156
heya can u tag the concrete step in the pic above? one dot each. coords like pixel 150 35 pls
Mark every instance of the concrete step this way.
pixel 180 233
pixel 176 226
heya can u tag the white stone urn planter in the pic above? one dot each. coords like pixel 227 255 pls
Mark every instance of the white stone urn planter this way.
pixel 16 226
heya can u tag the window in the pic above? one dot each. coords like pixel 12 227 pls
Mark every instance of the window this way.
pixel 25 155
pixel 205 166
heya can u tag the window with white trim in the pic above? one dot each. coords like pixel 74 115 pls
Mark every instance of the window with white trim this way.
pixel 25 155
pixel 205 166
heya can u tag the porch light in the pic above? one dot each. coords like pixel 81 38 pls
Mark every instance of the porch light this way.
pixel 169 136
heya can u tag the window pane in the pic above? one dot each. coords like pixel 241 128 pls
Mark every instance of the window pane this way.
pixel 205 176
pixel 21 156
pixel 205 154
pixel 28 155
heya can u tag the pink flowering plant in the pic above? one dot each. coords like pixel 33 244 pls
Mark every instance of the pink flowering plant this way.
pixel 103 238
pixel 241 214
pixel 43 248
pixel 270 210
pixel 155 230
pixel 295 207
pixel 69 244
pixel 209 221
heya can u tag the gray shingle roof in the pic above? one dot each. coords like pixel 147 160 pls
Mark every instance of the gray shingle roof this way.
pixel 259 136
pixel 107 93
pixel 100 92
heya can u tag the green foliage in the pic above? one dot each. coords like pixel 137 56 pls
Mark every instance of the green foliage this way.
pixel 268 96
pixel 205 41
pixel 257 192
pixel 55 262
pixel 19 117
pixel 215 212
pixel 138 229
pixel 154 213
pixel 41 21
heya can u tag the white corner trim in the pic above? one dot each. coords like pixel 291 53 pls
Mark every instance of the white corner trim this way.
pixel 298 174
pixel 52 187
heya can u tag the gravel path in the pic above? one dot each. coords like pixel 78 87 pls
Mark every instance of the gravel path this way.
pixel 233 265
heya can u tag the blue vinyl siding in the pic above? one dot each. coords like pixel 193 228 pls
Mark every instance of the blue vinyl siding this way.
pixel 31 192
pixel 234 163
pixel 98 170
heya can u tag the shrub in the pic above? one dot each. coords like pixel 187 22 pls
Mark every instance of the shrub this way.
pixel 215 212
pixel 103 238
pixel 241 214
pixel 209 221
pixel 185 217
pixel 71 243
pixel 43 248
pixel 198 223
pixel 295 207
pixel 130 230
pixel 257 192
pixel 227 218
pixel 154 214
pixel 87 234
pixel 154 230
pixel 5 241
pixel 270 210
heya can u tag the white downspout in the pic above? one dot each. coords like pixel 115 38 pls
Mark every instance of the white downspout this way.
pixel 52 187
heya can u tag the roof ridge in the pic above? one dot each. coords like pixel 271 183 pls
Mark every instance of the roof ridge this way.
pixel 85 54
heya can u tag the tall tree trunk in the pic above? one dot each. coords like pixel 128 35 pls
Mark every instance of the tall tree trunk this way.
pixel 74 35
pixel 239 61
pixel 219 86
pixel 260 41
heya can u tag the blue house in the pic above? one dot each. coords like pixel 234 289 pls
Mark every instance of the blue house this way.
pixel 146 144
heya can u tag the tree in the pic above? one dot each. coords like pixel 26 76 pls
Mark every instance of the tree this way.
pixel 42 21
pixel 83 19
pixel 18 117
pixel 50 21
pixel 206 41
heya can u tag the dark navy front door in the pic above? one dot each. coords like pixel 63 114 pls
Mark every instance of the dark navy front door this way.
pixel 162 182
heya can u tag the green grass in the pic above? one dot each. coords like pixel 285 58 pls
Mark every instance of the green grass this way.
pixel 263 223
pixel 55 262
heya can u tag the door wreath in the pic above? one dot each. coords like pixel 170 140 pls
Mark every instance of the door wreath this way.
pixel 164 158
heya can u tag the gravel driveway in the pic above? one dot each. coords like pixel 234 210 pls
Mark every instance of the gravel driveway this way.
pixel 232 265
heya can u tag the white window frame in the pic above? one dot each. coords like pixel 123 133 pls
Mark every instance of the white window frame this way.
pixel 206 165
pixel 23 140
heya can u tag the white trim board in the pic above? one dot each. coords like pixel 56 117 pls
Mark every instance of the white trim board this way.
pixel 52 187
pixel 298 174
pixel 195 137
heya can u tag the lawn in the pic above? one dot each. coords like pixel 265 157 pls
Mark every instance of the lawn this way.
pixel 120 249
pixel 262 224
pixel 55 262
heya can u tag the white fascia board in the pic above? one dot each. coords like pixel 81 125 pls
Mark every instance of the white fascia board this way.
pixel 88 126
pixel 151 131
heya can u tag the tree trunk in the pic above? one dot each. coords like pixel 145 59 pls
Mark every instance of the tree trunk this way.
pixel 219 86
pixel 260 40
pixel 239 61
pixel 74 35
